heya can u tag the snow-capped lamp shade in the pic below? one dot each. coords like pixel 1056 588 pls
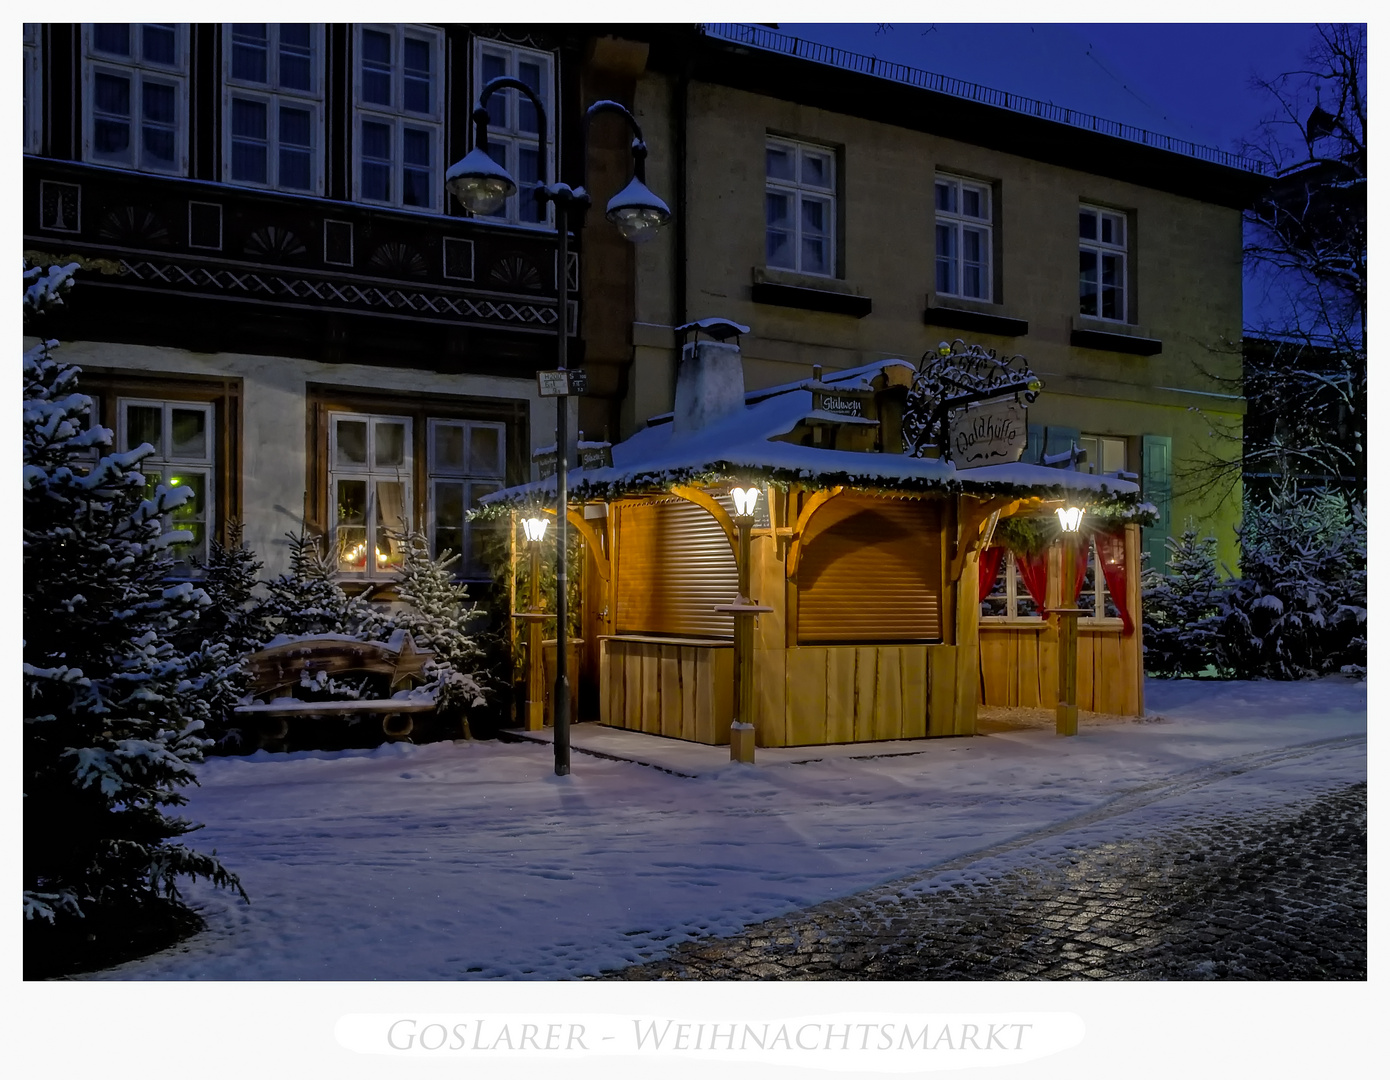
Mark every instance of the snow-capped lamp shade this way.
pixel 1070 518
pixel 535 528
pixel 479 183
pixel 745 501
pixel 637 212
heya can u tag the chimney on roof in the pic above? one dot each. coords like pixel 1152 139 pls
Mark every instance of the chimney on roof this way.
pixel 709 385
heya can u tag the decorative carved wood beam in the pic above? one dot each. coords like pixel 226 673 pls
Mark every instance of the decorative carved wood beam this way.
pixel 814 503
pixel 973 515
pixel 705 500
pixel 586 530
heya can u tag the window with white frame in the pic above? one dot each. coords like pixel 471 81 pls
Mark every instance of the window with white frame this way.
pixel 1103 263
pixel 398 121
pixel 800 204
pixel 467 461
pixel 370 490
pixel 33 90
pixel 514 129
pixel 1106 455
pixel 181 433
pixel 1009 598
pixel 1094 596
pixel 135 96
pixel 272 101
pixel 964 238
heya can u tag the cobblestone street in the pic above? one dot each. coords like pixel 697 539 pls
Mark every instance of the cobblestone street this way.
pixel 1275 895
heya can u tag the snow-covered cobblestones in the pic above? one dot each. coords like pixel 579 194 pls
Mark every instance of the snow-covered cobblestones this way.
pixel 473 861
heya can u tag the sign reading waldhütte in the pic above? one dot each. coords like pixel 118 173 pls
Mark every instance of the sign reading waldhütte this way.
pixel 988 434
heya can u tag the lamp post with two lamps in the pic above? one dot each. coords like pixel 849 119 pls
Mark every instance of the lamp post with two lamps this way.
pixel 482 186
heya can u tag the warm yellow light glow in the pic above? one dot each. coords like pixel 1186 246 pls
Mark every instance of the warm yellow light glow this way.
pixel 1070 517
pixel 745 501
pixel 535 528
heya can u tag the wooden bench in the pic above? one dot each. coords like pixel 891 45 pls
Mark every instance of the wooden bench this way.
pixel 279 668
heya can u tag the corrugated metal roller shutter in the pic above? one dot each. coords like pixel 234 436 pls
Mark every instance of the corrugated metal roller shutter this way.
pixel 873 576
pixel 674 566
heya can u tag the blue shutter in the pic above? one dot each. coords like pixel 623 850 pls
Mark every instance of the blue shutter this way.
pixel 1158 489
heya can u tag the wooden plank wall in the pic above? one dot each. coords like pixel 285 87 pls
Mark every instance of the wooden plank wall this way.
pixel 680 690
pixel 847 693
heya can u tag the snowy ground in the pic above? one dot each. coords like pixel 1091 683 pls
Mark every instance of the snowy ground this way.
pixel 473 861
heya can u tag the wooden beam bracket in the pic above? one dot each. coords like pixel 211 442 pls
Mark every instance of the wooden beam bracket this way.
pixel 586 530
pixel 814 503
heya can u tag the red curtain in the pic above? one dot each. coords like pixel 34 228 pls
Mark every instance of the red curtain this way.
pixel 990 560
pixel 1110 551
pixel 1033 570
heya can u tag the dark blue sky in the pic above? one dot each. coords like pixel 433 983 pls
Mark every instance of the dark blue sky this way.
pixel 1189 80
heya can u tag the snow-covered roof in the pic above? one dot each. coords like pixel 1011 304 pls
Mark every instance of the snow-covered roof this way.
pixel 744 445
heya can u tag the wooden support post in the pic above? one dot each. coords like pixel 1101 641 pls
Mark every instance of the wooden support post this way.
pixel 742 731
pixel 1066 669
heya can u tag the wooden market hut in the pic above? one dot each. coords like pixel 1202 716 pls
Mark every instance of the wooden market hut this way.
pixel 867 559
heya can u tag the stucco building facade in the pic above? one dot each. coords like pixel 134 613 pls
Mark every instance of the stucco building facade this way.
pixel 848 217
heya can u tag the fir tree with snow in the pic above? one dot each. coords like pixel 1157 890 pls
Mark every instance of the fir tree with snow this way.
pixel 1182 608
pixel 1299 607
pixel 114 711
pixel 229 577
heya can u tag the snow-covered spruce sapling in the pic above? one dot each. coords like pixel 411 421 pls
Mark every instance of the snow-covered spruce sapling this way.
pixel 113 711
pixel 437 611
pixel 307 598
pixel 1183 609
pixel 230 577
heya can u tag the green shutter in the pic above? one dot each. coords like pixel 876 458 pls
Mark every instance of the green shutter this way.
pixel 1060 439
pixel 1158 489
pixel 1033 452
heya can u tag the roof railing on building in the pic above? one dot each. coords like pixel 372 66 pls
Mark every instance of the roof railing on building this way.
pixel 760 37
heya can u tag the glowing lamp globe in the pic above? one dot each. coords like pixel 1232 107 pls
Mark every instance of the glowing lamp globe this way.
pixel 745 501
pixel 1070 518
pixel 534 528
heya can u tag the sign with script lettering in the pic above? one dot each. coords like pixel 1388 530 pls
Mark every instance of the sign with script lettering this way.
pixel 989 434
pixel 840 402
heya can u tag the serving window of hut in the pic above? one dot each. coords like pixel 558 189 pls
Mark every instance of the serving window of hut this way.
pixel 674 565
pixel 871 572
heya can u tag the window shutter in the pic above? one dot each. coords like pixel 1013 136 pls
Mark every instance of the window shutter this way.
pixel 674 566
pixel 1034 450
pixel 1059 439
pixel 1158 489
pixel 873 576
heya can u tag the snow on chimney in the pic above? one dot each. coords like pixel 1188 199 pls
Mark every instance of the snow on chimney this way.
pixel 709 385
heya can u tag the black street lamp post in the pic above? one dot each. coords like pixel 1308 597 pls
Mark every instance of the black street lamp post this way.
pixel 482 186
